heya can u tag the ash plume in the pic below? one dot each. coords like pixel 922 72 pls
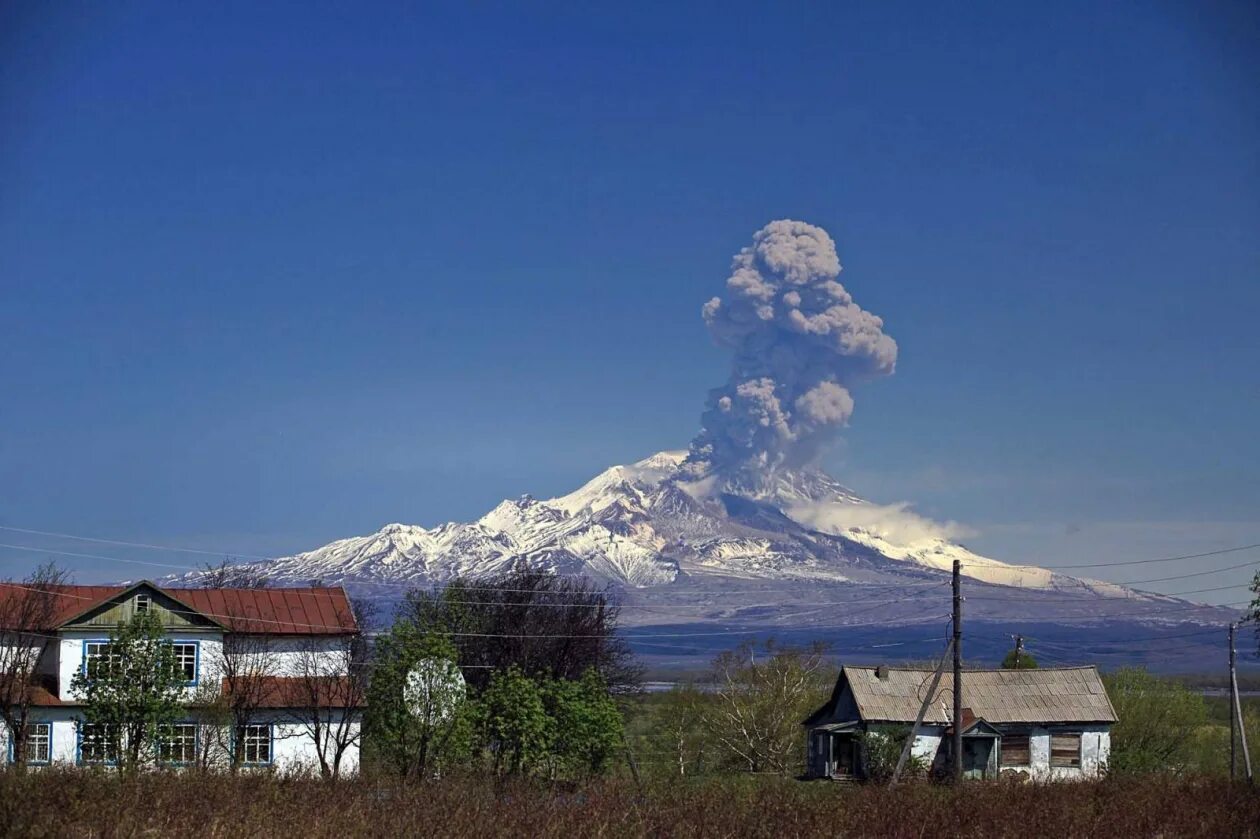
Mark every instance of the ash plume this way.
pixel 800 344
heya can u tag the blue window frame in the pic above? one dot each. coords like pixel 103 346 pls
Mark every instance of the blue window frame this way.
pixel 177 744
pixel 187 655
pixel 94 649
pixel 97 744
pixel 39 742
pixel 259 745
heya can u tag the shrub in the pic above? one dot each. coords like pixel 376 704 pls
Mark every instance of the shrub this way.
pixel 71 803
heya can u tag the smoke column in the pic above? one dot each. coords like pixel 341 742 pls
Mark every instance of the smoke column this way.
pixel 799 342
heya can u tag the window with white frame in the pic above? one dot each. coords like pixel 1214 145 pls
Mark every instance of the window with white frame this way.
pixel 186 660
pixel 38 743
pixel 98 743
pixel 143 602
pixel 256 744
pixel 100 658
pixel 178 743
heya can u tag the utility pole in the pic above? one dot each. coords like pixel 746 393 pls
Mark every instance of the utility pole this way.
pixel 1019 649
pixel 928 698
pixel 958 694
pixel 1233 734
pixel 1235 716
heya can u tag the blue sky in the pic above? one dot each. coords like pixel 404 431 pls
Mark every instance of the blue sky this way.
pixel 272 274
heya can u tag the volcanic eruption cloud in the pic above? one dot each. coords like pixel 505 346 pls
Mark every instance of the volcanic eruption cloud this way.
pixel 800 344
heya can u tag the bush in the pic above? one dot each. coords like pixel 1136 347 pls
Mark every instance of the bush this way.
pixel 71 803
pixel 881 749
pixel 1160 722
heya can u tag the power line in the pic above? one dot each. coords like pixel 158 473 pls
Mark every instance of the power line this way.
pixel 97 556
pixel 1143 561
pixel 135 544
pixel 1084 583
pixel 422 586
pixel 204 552
pixel 1095 598
pixel 628 634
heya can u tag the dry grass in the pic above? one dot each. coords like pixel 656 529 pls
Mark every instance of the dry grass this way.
pixel 84 804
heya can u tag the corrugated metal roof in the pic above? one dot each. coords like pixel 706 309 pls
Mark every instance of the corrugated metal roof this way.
pixel 1049 695
pixel 297 692
pixel 275 611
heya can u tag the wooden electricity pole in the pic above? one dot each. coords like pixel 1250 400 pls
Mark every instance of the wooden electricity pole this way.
pixel 958 688
pixel 1235 716
pixel 918 720
pixel 1233 726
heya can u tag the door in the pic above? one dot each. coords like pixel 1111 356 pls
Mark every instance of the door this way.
pixel 977 754
pixel 844 751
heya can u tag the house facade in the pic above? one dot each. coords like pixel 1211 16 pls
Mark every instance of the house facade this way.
pixel 268 667
pixel 1051 723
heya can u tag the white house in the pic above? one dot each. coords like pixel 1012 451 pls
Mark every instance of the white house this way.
pixel 1051 723
pixel 282 656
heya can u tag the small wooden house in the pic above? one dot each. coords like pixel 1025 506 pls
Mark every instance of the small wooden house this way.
pixel 1048 723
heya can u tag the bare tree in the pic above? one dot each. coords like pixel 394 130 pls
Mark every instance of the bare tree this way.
pixel 330 682
pixel 245 664
pixel 228 574
pixel 210 710
pixel 27 612
pixel 759 704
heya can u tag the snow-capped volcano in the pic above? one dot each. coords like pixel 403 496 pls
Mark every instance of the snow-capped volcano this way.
pixel 671 542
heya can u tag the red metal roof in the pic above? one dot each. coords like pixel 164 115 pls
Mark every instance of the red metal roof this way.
pixel 42 692
pixel 297 692
pixel 275 611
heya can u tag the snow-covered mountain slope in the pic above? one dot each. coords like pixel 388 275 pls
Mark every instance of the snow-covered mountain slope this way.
pixel 698 550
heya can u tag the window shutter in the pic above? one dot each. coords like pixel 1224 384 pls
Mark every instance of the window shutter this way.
pixel 1065 750
pixel 1015 750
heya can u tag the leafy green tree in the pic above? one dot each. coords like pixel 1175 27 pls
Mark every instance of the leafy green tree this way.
pixel 517 730
pixel 512 619
pixel 417 725
pixel 587 729
pixel 134 689
pixel 677 724
pixel 1159 721
pixel 881 749
pixel 1020 661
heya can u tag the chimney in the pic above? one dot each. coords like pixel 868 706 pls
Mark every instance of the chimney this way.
pixel 881 672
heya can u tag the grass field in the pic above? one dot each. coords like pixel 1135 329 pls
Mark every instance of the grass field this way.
pixel 91 804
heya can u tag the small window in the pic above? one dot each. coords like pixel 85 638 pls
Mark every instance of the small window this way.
pixel 1065 750
pixel 38 743
pixel 257 744
pixel 186 660
pixel 98 743
pixel 100 659
pixel 1015 750
pixel 143 602
pixel 178 744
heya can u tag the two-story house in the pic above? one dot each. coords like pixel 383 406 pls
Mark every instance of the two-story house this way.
pixel 282 656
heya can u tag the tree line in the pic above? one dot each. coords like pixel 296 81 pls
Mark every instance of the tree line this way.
pixel 521 673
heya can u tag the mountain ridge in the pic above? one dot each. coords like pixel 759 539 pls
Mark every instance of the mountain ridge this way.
pixel 681 548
